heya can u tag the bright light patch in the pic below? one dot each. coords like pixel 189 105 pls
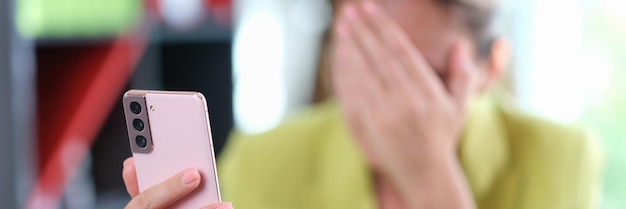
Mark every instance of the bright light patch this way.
pixel 259 94
pixel 557 72
pixel 182 14
pixel 615 8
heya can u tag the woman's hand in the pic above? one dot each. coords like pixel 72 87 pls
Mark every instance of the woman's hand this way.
pixel 406 119
pixel 163 194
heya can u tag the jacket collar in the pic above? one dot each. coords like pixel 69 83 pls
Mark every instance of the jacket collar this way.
pixel 484 150
pixel 344 179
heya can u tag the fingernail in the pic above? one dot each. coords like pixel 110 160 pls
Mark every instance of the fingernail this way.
pixel 370 7
pixel 225 205
pixel 350 12
pixel 190 177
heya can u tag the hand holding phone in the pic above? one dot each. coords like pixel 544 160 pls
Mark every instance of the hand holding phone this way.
pixel 163 194
pixel 169 132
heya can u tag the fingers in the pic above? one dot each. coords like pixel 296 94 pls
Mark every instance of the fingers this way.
pixel 130 177
pixel 166 193
pixel 221 205
pixel 389 47
pixel 459 79
pixel 364 40
pixel 352 74
pixel 352 83
pixel 360 58
pixel 347 65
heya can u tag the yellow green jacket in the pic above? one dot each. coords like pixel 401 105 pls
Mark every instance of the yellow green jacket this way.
pixel 511 161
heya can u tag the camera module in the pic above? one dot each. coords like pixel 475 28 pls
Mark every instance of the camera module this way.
pixel 141 141
pixel 138 124
pixel 135 107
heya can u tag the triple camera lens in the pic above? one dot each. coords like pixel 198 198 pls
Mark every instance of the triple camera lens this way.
pixel 138 124
pixel 135 107
pixel 141 141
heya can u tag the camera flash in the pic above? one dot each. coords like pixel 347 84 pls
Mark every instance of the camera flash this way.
pixel 151 108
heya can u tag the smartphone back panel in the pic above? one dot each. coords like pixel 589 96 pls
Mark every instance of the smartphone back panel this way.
pixel 180 139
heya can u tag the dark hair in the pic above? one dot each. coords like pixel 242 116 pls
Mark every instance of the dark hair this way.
pixel 478 19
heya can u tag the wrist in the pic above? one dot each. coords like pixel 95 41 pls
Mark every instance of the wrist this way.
pixel 436 167
pixel 435 157
pixel 437 184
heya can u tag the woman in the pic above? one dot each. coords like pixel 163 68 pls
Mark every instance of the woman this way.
pixel 412 124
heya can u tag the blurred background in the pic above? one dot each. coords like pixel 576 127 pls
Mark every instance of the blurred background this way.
pixel 64 65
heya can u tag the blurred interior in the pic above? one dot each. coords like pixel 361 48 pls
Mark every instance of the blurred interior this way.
pixel 64 65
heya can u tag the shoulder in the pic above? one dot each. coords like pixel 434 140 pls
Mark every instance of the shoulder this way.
pixel 295 136
pixel 282 159
pixel 557 164
pixel 529 134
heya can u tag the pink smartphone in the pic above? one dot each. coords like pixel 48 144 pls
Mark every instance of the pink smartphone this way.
pixel 170 132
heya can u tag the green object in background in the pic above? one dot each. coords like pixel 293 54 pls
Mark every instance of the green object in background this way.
pixel 608 115
pixel 76 18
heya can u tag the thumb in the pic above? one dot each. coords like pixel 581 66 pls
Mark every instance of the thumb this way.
pixel 167 192
pixel 459 80
pixel 129 174
pixel 221 205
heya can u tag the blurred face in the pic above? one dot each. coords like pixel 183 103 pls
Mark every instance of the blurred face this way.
pixel 432 28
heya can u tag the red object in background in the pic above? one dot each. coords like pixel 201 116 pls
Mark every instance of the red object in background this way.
pixel 219 2
pixel 152 7
pixel 77 88
pixel 221 11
